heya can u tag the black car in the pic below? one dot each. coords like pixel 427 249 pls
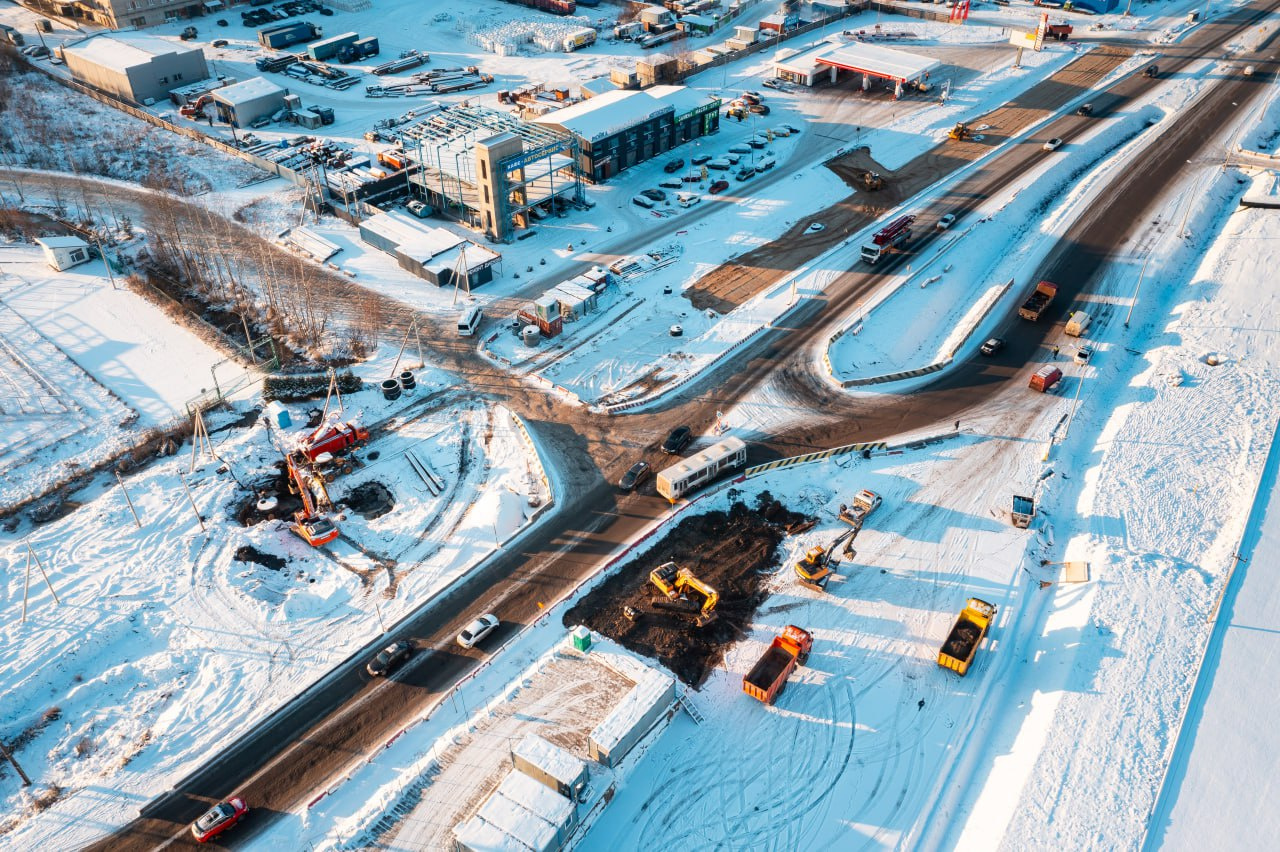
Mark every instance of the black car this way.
pixel 654 194
pixel 635 476
pixel 677 440
pixel 1085 109
pixel 389 658
pixel 992 346
pixel 673 166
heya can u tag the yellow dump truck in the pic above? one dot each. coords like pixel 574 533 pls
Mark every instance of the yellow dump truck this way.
pixel 966 635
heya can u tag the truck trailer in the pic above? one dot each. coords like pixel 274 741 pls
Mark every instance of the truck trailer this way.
pixel 1038 302
pixel 768 677
pixel 966 635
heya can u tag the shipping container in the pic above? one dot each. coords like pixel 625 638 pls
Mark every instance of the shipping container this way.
pixel 331 47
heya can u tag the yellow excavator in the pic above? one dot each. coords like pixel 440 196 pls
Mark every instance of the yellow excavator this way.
pixel 815 569
pixel 960 132
pixel 674 582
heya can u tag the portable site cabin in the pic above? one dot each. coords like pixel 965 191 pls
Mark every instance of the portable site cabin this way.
pixel 64 252
pixel 632 717
pixel 550 765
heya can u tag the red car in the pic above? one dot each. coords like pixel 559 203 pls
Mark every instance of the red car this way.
pixel 718 186
pixel 218 819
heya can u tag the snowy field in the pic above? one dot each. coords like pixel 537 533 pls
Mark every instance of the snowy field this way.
pixel 170 639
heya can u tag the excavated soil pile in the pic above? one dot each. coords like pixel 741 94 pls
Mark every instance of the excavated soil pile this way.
pixel 370 499
pixel 249 514
pixel 246 553
pixel 732 552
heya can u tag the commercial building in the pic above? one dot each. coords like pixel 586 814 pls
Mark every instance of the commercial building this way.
pixel 619 129
pixel 828 61
pixel 137 68
pixel 242 104
pixel 137 14
pixel 435 254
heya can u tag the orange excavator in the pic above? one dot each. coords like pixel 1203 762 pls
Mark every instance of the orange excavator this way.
pixel 311 525
pixel 195 109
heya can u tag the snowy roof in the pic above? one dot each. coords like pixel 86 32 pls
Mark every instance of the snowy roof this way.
pixel 682 98
pixel 120 53
pixel 420 242
pixel 859 56
pixel 606 114
pixel 62 242
pixel 551 759
pixel 477 257
pixel 652 687
pixel 697 462
pixel 598 86
pixel 521 814
pixel 249 90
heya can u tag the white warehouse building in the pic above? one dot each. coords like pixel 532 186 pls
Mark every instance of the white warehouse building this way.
pixel 138 68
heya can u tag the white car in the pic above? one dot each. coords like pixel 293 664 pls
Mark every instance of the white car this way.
pixel 1053 144
pixel 946 221
pixel 477 630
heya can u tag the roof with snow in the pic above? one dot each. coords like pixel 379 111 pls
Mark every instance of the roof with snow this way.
pixel 249 90
pixel 551 759
pixel 682 98
pixel 520 815
pixel 865 58
pixel 652 687
pixel 62 242
pixel 606 114
pixel 120 52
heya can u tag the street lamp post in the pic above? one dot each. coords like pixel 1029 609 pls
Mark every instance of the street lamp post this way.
pixel 1134 301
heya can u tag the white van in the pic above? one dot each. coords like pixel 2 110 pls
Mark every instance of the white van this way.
pixel 1078 323
pixel 469 322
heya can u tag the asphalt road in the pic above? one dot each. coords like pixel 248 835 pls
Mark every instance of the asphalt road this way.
pixel 290 759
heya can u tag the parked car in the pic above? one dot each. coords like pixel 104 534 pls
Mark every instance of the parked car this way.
pixel 718 186
pixel 771 84
pixel 765 164
pixel 781 132
pixel 1083 354
pixel 1053 144
pixel 654 194
pixel 720 165
pixel 700 159
pixel 733 158
pixel 740 148
pixel 219 42
pixel 687 199
pixel 759 109
pixel 992 346
pixel 746 172
pixel 477 630
pixel 757 142
pixel 673 166
pixel 792 128
pixel 672 183
pixel 749 98
pixel 641 201
pixel 677 440
pixel 946 221
pixel 635 476
pixel 218 819
pixel 390 658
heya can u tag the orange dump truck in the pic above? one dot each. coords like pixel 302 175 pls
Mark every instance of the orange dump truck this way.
pixel 768 677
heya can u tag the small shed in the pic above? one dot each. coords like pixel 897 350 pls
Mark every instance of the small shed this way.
pixel 64 252
pixel 243 103
pixel 632 718
pixel 550 765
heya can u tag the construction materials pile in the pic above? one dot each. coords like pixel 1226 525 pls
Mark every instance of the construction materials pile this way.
pixel 729 554
pixel 511 38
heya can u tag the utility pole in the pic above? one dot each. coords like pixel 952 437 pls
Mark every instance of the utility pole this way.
pixel 8 755
pixel 1133 302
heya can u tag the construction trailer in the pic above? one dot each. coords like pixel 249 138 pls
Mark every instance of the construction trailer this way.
pixel 550 765
pixel 632 717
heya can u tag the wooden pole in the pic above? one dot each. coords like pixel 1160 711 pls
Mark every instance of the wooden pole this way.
pixel 40 565
pixel 192 500
pixel 125 491
pixel 8 755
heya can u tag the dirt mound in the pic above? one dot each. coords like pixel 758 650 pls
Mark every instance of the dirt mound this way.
pixel 266 560
pixel 731 551
pixel 370 499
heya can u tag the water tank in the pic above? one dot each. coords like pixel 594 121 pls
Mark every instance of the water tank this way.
pixel 529 335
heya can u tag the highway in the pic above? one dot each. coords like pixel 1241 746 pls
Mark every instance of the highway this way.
pixel 287 761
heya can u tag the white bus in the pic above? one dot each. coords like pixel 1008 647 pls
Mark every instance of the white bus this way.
pixel 701 468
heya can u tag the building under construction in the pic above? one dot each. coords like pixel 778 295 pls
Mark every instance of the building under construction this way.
pixel 489 169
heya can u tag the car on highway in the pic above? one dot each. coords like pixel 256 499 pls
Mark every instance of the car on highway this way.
pixel 992 346
pixel 1084 109
pixel 635 476
pixel 718 186
pixel 654 194
pixel 390 658
pixel 477 630
pixel 946 221
pixel 1083 354
pixel 677 440
pixel 1248 70
pixel 673 166
pixel 218 819
pixel 1053 144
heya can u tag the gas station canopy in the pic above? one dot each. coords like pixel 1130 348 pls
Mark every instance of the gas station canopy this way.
pixel 857 57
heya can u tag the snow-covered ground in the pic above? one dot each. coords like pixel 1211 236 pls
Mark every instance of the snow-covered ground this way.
pixel 167 638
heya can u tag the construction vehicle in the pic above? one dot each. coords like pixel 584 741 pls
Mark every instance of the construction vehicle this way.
pixel 966 635
pixel 889 238
pixel 768 677
pixel 1024 509
pixel 871 181
pixel 960 132
pixel 195 109
pixel 864 503
pixel 333 438
pixel 738 112
pixel 1038 302
pixel 1057 31
pixel 1045 378
pixel 674 582
pixel 814 570
pixel 309 523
